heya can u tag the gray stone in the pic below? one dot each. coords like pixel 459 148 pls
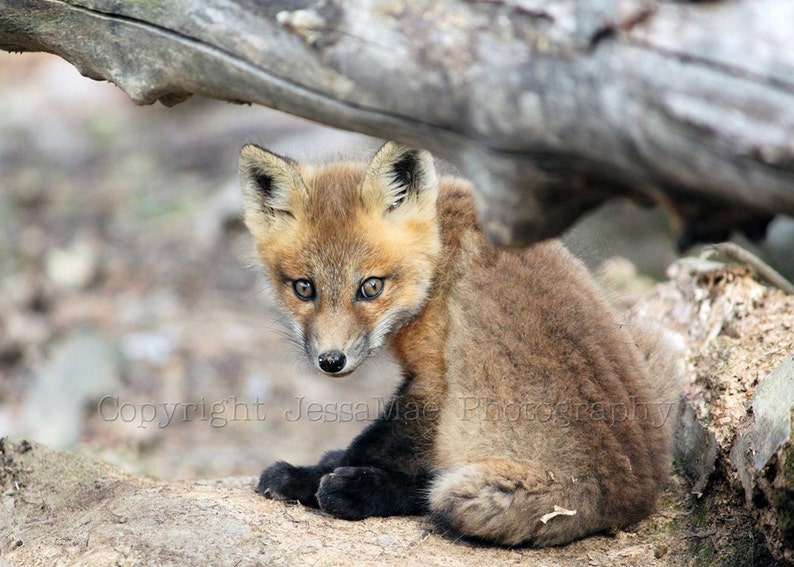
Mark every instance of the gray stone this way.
pixel 82 367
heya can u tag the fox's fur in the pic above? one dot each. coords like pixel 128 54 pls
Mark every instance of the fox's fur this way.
pixel 527 414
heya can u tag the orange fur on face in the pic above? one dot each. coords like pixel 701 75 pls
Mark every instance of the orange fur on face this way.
pixel 338 230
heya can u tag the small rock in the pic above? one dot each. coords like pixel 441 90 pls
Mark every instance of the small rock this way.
pixel 82 368
pixel 152 347
pixel 258 385
pixel 74 267
pixel 694 449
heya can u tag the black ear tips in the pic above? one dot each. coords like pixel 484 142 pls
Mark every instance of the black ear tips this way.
pixel 399 175
pixel 263 182
pixel 266 176
pixel 405 169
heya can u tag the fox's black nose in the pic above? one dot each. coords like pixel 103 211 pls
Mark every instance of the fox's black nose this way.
pixel 332 361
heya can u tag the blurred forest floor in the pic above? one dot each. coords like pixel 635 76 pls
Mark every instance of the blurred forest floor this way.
pixel 132 320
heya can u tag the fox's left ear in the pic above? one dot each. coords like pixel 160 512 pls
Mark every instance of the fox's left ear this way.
pixel 398 176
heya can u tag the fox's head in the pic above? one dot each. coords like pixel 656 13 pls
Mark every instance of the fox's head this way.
pixel 350 249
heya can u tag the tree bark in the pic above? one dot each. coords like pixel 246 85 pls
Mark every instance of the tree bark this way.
pixel 738 390
pixel 550 106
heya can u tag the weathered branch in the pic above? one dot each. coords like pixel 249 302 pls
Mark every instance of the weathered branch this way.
pixel 551 106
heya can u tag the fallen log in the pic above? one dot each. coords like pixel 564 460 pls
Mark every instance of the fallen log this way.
pixel 736 431
pixel 550 106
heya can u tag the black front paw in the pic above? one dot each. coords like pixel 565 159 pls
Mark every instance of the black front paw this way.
pixel 351 493
pixel 284 481
pixel 355 493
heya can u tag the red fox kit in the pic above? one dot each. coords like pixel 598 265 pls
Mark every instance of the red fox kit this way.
pixel 526 415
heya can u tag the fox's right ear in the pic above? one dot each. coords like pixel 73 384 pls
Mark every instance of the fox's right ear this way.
pixel 272 187
pixel 400 177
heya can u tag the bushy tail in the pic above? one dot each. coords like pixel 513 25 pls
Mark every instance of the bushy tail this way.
pixel 509 504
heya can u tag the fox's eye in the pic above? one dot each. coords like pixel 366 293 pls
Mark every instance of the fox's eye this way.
pixel 304 289
pixel 371 288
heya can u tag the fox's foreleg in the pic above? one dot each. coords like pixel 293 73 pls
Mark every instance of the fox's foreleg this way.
pixel 384 471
